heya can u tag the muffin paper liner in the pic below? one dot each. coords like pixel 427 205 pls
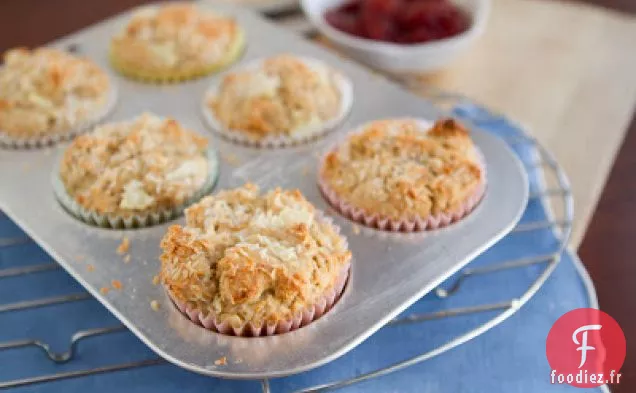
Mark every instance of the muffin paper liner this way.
pixel 134 220
pixel 384 223
pixel 57 136
pixel 167 77
pixel 308 134
pixel 413 224
pixel 300 319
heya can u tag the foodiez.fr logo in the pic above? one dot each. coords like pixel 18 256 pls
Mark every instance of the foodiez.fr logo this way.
pixel 586 348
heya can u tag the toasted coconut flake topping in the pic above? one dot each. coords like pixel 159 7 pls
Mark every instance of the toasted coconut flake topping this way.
pixel 396 168
pixel 285 96
pixel 135 167
pixel 247 257
pixel 179 37
pixel 47 91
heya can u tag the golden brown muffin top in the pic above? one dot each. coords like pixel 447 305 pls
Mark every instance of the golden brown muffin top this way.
pixel 398 169
pixel 283 96
pixel 140 166
pixel 251 257
pixel 46 90
pixel 174 36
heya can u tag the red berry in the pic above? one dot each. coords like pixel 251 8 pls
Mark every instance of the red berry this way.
pixel 402 21
pixel 418 14
pixel 384 8
pixel 380 29
pixel 352 7
pixel 343 22
pixel 377 18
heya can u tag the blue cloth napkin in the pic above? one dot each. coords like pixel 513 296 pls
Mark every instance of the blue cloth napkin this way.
pixel 508 358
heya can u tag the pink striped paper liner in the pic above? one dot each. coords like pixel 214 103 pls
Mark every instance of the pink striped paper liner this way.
pixel 385 223
pixel 300 319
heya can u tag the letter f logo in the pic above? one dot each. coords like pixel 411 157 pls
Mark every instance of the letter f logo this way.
pixel 583 344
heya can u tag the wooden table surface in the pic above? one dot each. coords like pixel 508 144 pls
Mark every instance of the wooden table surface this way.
pixel 566 70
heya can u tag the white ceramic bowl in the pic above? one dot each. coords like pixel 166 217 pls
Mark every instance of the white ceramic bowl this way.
pixel 396 58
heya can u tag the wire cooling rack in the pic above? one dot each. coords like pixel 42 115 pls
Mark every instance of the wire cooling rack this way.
pixel 556 194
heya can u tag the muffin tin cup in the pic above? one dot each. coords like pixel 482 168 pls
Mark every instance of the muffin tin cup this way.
pixel 174 76
pixel 412 224
pixel 57 136
pixel 300 319
pixel 134 220
pixel 306 135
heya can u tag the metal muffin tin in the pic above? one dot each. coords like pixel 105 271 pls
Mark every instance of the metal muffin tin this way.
pixel 389 271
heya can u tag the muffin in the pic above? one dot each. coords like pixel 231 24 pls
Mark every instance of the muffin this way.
pixel 402 175
pixel 175 42
pixel 48 95
pixel 277 101
pixel 134 173
pixel 253 264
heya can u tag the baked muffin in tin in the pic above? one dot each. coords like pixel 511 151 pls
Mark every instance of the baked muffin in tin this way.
pixel 251 263
pixel 175 42
pixel 47 95
pixel 135 173
pixel 278 101
pixel 403 174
